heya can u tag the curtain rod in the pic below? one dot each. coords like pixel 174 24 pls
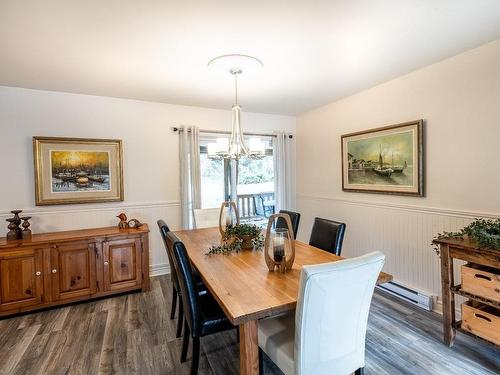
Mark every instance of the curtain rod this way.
pixel 176 129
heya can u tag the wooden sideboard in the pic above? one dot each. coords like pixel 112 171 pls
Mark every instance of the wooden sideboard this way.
pixel 470 252
pixel 56 268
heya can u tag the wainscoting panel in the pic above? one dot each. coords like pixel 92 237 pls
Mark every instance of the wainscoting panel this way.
pixel 59 218
pixel 402 233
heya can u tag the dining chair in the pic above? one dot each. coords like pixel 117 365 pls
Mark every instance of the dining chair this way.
pixel 206 217
pixel 262 206
pixel 326 334
pixel 294 218
pixel 327 235
pixel 176 291
pixel 203 315
pixel 257 203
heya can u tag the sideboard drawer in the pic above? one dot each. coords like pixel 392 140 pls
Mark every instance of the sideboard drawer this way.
pixel 481 281
pixel 482 321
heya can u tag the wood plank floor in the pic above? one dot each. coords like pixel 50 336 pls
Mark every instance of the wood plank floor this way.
pixel 132 334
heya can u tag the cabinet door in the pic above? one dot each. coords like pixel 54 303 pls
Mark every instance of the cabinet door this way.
pixel 122 264
pixel 21 279
pixel 73 270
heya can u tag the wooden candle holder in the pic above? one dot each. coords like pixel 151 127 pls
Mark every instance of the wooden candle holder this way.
pixel 271 263
pixel 232 205
pixel 15 231
pixel 26 232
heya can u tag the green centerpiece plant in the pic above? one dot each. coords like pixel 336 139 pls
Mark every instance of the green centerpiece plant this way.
pixel 486 233
pixel 239 237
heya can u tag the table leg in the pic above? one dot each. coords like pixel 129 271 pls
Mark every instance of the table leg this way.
pixel 249 348
pixel 448 296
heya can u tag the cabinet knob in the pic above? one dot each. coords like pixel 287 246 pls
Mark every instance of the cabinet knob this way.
pixel 106 263
pixel 54 271
pixel 38 273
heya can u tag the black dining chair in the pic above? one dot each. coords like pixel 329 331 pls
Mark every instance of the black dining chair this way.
pixel 203 315
pixel 294 218
pixel 176 291
pixel 327 235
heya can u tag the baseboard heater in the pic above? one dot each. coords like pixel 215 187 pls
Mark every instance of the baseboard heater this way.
pixel 413 296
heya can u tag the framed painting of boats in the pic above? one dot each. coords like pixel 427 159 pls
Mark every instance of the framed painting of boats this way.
pixel 77 170
pixel 387 160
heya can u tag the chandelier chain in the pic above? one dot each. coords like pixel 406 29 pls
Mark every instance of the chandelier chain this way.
pixel 236 88
pixel 236 147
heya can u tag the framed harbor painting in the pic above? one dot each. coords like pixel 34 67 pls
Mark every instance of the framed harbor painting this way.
pixel 77 170
pixel 384 160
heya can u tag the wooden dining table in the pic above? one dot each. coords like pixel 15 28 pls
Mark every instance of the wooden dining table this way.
pixel 245 288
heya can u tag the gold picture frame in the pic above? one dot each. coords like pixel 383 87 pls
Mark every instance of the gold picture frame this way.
pixel 386 160
pixel 77 170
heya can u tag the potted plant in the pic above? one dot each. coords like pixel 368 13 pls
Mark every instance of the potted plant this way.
pixel 239 237
pixel 246 233
pixel 486 233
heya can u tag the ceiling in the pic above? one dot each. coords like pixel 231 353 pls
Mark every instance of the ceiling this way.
pixel 314 52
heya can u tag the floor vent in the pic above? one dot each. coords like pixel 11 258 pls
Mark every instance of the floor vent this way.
pixel 413 296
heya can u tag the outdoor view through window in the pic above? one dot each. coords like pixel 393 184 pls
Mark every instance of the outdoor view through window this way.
pixel 255 176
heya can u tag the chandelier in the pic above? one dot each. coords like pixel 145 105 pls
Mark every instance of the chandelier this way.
pixel 235 147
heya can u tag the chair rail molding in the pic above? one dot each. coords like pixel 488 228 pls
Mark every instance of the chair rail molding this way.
pixel 404 207
pixel 92 208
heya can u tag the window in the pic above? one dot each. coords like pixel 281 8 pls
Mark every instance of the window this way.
pixel 255 178
pixel 257 175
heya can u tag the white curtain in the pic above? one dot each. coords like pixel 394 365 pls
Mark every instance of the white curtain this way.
pixel 189 156
pixel 284 189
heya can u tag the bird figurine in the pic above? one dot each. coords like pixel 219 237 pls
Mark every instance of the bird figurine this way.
pixel 134 223
pixel 123 224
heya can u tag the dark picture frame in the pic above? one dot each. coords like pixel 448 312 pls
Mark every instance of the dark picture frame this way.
pixel 385 160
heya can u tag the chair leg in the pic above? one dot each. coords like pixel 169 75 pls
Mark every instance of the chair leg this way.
pixel 261 361
pixel 180 318
pixel 196 356
pixel 174 303
pixel 185 343
pixel 360 371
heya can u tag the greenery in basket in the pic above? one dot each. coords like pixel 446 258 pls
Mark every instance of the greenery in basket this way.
pixel 232 240
pixel 243 230
pixel 486 233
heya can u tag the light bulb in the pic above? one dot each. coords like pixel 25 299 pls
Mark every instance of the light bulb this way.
pixel 222 144
pixel 212 149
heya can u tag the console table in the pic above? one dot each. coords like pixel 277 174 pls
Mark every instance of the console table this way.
pixel 476 256
pixel 57 268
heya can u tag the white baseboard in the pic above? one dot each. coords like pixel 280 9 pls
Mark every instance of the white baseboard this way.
pixel 159 269
pixel 438 308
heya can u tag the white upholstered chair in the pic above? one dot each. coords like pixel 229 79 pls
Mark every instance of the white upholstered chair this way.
pixel 326 335
pixel 206 217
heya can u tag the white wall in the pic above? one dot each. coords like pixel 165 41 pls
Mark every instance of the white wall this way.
pixel 459 99
pixel 151 167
